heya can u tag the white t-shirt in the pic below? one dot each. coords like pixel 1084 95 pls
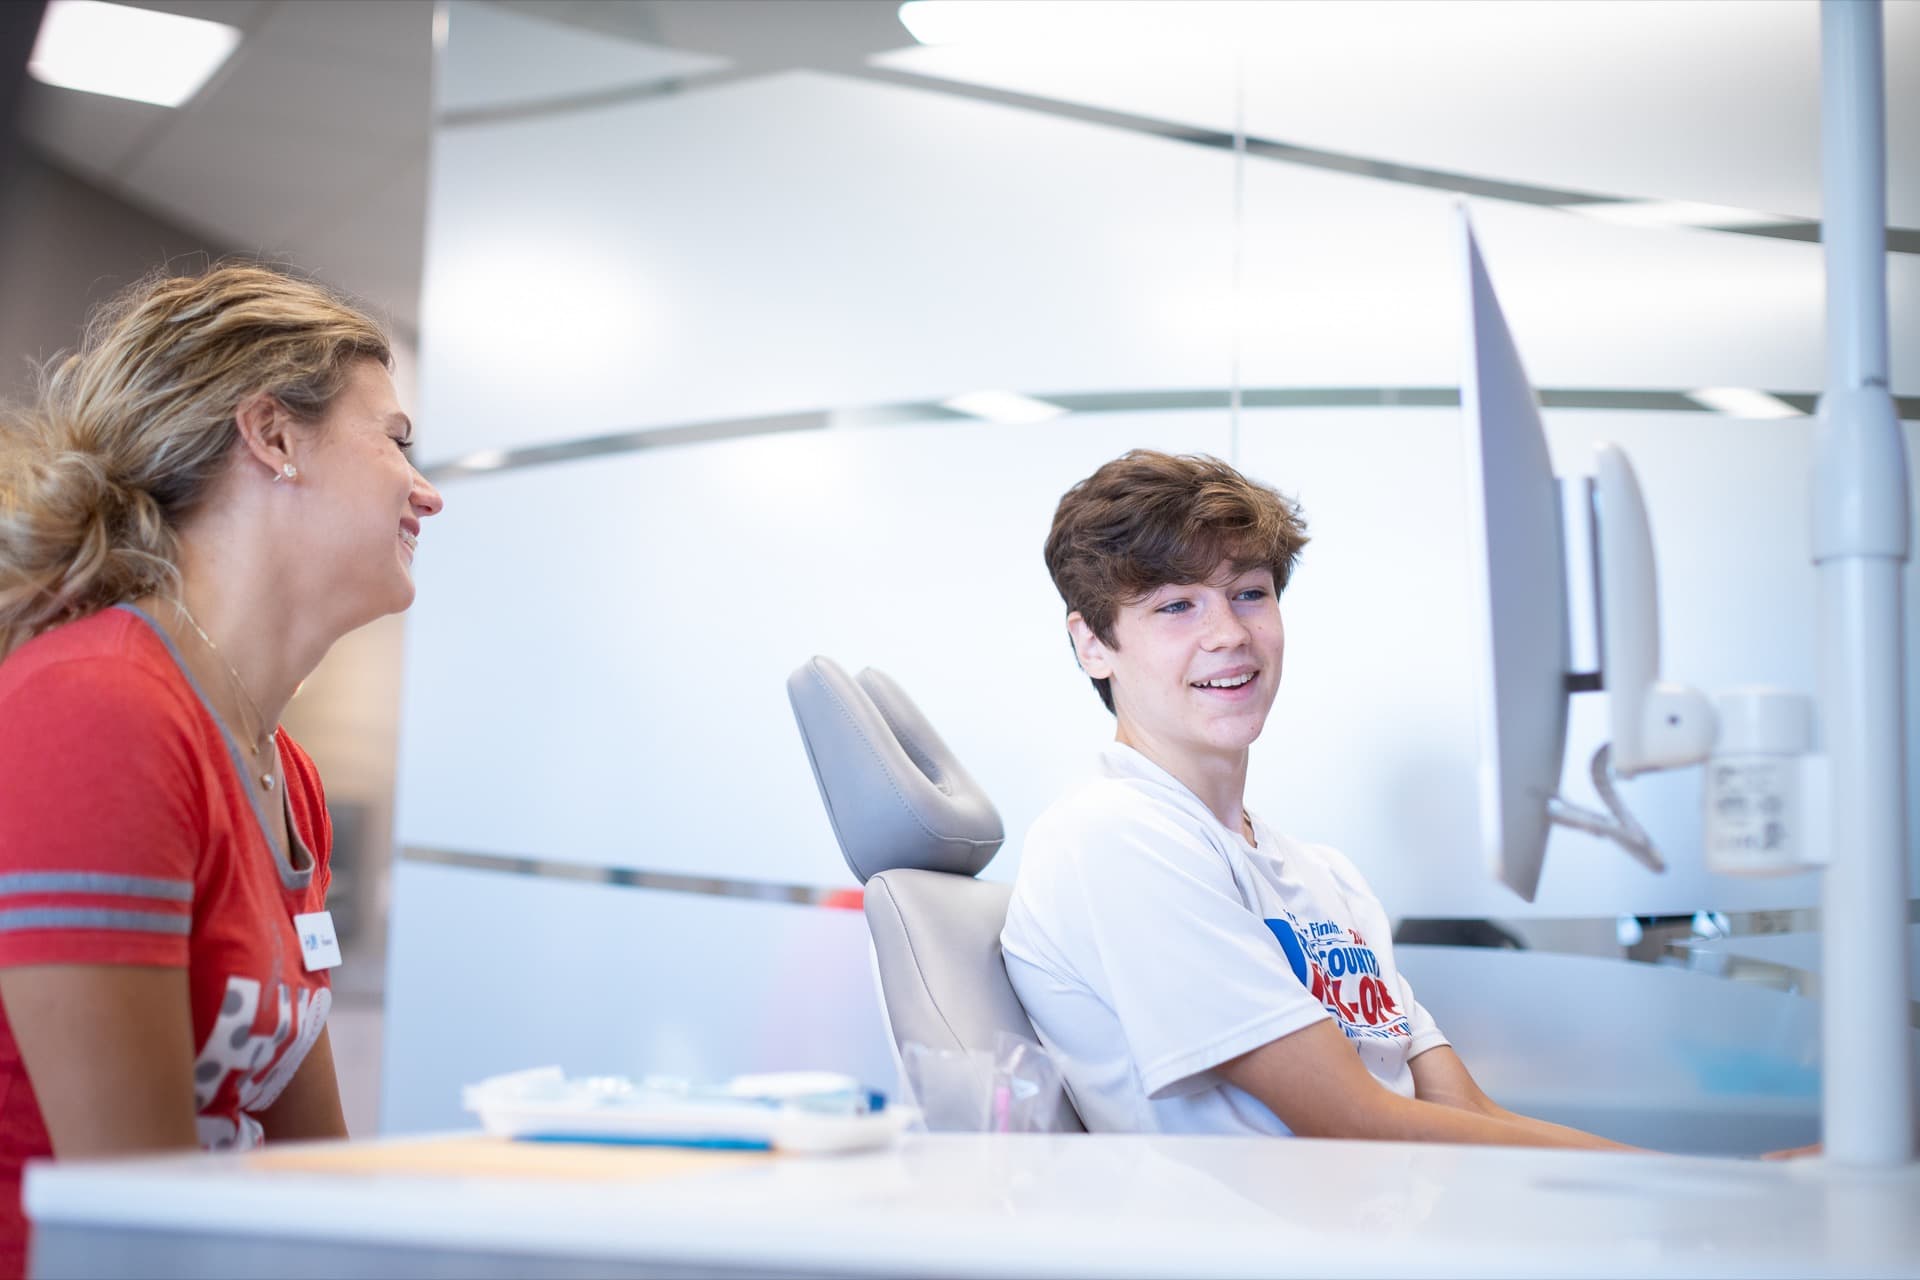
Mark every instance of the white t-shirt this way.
pixel 1150 944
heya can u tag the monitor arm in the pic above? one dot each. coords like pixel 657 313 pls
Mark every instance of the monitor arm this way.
pixel 1618 824
pixel 1763 782
pixel 1655 724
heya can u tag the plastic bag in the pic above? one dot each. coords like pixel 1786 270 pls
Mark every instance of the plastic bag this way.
pixel 1014 1089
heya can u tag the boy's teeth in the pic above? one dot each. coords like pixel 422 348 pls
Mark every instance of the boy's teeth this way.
pixel 1230 682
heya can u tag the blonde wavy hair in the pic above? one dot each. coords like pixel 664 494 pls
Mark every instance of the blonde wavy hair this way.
pixel 129 432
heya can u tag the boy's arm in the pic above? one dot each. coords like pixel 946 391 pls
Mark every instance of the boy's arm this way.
pixel 1440 1076
pixel 1317 1085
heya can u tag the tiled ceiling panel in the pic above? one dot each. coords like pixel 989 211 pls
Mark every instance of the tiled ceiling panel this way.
pixel 318 111
pixel 510 57
pixel 320 120
pixel 90 135
pixel 372 246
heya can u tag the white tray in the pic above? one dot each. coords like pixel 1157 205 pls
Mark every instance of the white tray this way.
pixel 815 1114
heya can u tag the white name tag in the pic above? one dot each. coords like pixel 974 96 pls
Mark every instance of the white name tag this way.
pixel 319 945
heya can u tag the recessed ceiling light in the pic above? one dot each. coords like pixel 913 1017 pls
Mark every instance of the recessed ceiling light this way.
pixel 943 22
pixel 1003 406
pixel 122 52
pixel 1674 213
pixel 1743 402
pixel 1080 24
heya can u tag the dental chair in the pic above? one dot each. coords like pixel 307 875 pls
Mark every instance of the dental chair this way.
pixel 916 829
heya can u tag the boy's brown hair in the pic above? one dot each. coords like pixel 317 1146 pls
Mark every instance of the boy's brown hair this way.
pixel 1147 519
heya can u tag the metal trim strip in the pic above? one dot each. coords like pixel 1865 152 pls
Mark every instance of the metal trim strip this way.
pixel 1741 923
pixel 631 877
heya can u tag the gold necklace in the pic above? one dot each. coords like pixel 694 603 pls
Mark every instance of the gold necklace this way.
pixel 265 740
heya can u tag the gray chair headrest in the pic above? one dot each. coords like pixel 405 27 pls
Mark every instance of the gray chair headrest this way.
pixel 894 793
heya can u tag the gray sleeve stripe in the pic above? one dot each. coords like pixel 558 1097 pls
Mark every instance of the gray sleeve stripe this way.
pixel 95 882
pixel 85 918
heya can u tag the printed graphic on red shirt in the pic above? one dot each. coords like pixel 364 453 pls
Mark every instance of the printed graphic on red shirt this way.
pixel 1342 972
pixel 239 1065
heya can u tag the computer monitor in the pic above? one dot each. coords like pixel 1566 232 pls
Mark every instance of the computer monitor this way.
pixel 1518 560
pixel 1518 568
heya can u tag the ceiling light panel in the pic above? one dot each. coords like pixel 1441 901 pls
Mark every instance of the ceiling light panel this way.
pixel 121 52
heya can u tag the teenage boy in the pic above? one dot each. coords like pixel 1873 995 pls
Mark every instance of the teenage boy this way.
pixel 1190 968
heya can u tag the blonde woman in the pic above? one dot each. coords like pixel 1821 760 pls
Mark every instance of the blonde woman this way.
pixel 206 497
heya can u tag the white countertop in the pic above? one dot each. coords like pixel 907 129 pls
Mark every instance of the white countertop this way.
pixel 1058 1205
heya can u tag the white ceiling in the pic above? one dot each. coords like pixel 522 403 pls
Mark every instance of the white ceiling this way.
pixel 1715 101
pixel 312 144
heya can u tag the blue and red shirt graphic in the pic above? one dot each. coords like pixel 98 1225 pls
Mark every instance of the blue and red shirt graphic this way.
pixel 1342 972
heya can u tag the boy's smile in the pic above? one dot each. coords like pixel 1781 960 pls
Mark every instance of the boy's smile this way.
pixel 1194 666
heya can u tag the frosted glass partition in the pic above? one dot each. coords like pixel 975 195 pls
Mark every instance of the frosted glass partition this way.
pixel 1355 282
pixel 597 659
pixel 802 242
pixel 883 244
pixel 628 707
pixel 643 719
pixel 614 981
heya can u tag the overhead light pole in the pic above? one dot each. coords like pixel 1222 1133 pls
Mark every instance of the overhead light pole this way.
pixel 1861 522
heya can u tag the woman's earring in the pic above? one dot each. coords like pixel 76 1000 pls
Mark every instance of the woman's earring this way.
pixel 287 472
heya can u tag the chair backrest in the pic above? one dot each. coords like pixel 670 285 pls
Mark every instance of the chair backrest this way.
pixel 936 938
pixel 915 827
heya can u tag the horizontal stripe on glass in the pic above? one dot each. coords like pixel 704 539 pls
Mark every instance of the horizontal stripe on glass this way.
pixel 914 413
pixel 1743 923
pixel 636 878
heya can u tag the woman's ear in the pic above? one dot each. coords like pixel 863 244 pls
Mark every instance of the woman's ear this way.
pixel 1089 648
pixel 266 429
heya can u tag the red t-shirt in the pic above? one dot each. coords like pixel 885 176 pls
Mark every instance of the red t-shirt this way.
pixel 129 835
